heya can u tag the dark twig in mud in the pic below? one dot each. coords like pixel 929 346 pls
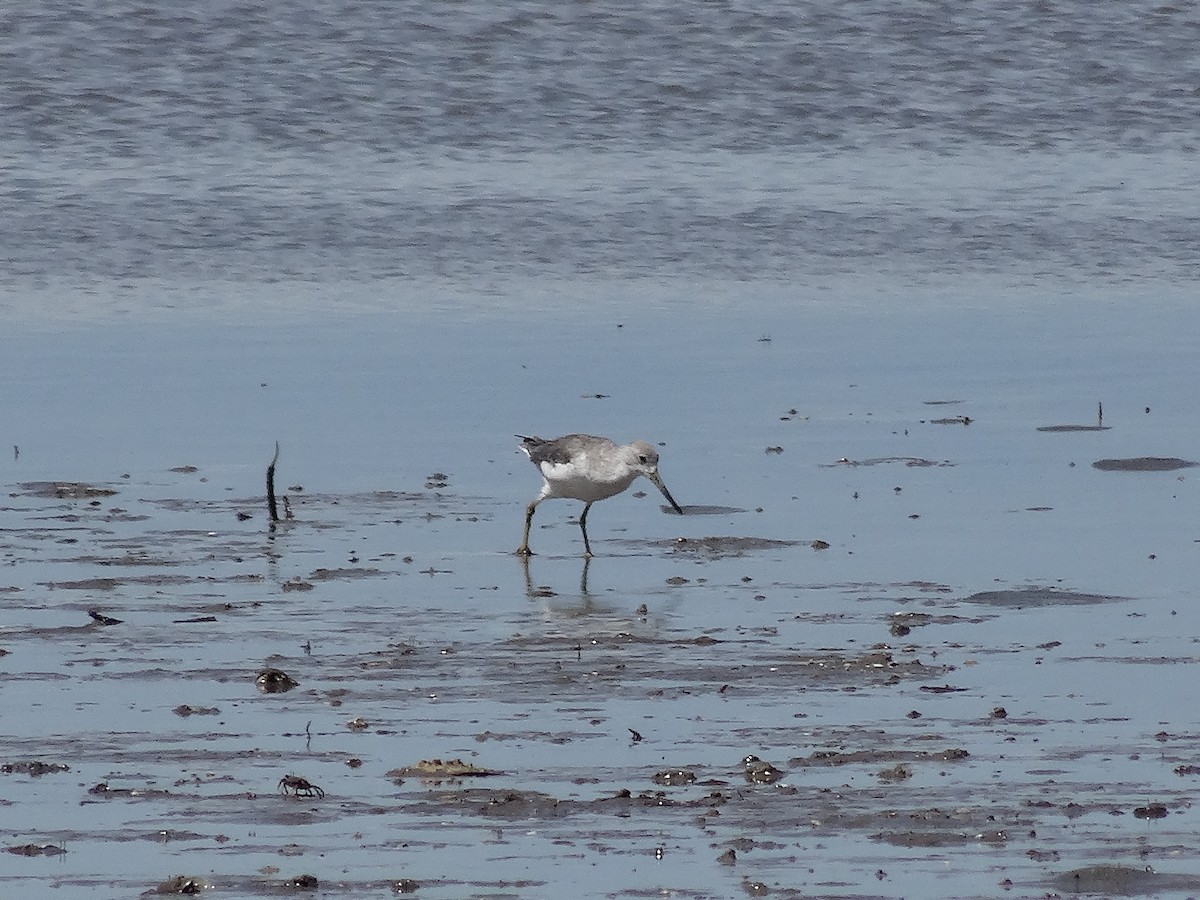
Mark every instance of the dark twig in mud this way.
pixel 272 508
pixel 1100 414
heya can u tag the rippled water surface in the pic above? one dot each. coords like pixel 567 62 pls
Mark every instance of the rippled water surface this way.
pixel 357 142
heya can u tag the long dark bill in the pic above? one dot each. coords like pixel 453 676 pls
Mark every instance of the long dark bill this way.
pixel 658 483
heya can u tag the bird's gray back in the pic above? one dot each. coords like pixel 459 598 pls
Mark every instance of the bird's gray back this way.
pixel 563 449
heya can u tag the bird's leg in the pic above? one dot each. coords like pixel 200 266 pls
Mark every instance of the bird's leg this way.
pixel 524 550
pixel 587 547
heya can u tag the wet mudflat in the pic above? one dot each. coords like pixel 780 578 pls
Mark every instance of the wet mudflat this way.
pixel 897 659
pixel 892 758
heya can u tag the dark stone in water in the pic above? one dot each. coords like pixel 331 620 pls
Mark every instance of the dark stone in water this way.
pixel 1152 811
pixel 674 777
pixel 274 681
pixel 759 771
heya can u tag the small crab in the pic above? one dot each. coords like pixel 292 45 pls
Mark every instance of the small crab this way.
pixel 301 787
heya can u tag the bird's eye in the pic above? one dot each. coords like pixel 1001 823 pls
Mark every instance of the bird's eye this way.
pixel 642 460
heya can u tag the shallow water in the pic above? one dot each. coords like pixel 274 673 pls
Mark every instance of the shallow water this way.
pixel 1033 609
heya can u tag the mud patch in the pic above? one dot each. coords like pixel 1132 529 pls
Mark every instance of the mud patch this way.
pixel 33 767
pixel 1038 596
pixel 1144 464
pixel 344 573
pixel 726 546
pixel 86 584
pixel 36 850
pixel 1122 881
pixel 442 770
pixel 912 462
pixel 874 757
pixel 62 490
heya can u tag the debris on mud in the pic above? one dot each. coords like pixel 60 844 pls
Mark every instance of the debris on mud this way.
pixel 64 490
pixel 520 804
pixel 103 790
pixel 727 546
pixel 1150 811
pixel 36 850
pixel 842 758
pixel 184 710
pixel 759 771
pixel 894 774
pixel 332 574
pixel 86 584
pixel 1099 426
pixel 442 769
pixel 912 462
pixel 675 777
pixel 180 884
pixel 878 664
pixel 34 767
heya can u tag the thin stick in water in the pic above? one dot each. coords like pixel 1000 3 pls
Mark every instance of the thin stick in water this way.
pixel 272 508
